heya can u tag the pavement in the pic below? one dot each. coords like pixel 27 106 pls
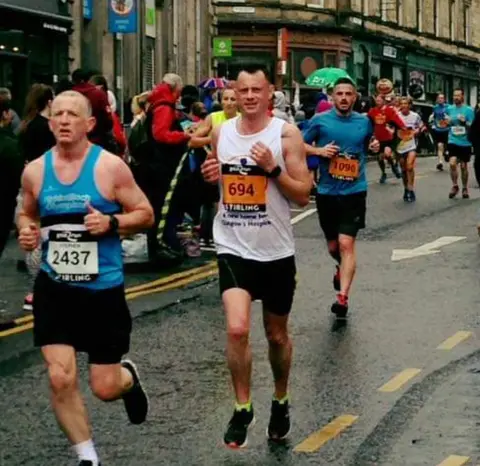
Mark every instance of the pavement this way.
pixel 396 386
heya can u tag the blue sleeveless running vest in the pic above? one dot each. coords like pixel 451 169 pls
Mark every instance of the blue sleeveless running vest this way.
pixel 69 253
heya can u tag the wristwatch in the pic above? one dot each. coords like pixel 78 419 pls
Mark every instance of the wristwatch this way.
pixel 113 224
pixel 275 173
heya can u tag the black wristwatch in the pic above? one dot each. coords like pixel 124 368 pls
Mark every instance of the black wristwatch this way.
pixel 113 224
pixel 275 173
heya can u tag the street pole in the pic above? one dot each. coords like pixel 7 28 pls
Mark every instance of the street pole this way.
pixel 120 72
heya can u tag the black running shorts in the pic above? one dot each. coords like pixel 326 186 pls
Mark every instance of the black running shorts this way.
pixel 271 282
pixel 462 153
pixel 341 214
pixel 96 322
pixel 440 137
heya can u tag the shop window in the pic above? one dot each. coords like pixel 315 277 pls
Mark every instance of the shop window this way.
pixel 330 60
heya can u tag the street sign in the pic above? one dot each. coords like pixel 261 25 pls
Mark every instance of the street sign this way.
pixel 122 16
pixel 150 19
pixel 88 9
pixel 222 47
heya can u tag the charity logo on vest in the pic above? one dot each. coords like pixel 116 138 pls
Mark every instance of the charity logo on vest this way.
pixel 66 201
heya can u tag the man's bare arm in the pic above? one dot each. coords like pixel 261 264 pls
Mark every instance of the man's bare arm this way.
pixel 28 213
pixel 138 213
pixel 294 182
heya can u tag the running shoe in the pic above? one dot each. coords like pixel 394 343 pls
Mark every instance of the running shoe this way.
pixel 453 191
pixel 237 430
pixel 279 425
pixel 396 171
pixel 340 307
pixel 413 196
pixel 87 463
pixel 465 194
pixel 405 195
pixel 383 178
pixel 136 399
pixel 336 279
pixel 440 167
pixel 28 303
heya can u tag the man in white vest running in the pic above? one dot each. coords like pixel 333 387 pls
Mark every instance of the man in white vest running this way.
pixel 260 164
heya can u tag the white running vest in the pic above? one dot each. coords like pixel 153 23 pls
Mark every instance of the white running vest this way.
pixel 253 218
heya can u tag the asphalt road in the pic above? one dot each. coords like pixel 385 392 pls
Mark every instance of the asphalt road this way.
pixel 397 386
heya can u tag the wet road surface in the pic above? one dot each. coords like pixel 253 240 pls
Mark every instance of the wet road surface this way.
pixel 398 384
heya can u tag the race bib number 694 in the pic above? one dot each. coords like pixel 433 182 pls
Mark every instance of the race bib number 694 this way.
pixel 244 188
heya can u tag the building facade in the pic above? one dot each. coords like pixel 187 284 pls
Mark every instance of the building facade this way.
pixel 170 36
pixel 34 44
pixel 423 46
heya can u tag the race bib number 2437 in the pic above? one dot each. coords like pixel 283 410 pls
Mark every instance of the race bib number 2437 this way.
pixel 73 256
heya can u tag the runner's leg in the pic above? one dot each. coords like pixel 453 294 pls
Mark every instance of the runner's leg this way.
pixel 348 263
pixel 67 402
pixel 464 173
pixel 410 166
pixel 453 176
pixel 279 350
pixel 237 303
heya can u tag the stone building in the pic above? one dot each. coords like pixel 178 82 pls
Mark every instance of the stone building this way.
pixel 170 36
pixel 45 40
pixel 430 44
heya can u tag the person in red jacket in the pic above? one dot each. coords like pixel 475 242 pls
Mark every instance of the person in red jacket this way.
pixel 100 83
pixel 384 117
pixel 102 131
pixel 169 144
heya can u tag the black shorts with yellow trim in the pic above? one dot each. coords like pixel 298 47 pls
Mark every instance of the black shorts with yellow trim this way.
pixel 272 282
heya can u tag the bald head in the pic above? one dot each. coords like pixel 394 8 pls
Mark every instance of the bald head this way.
pixel 76 100
pixel 71 119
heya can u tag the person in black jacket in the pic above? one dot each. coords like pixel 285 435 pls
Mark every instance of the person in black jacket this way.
pixel 35 136
pixel 11 165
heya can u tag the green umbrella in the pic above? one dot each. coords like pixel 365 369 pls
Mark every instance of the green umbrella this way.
pixel 326 77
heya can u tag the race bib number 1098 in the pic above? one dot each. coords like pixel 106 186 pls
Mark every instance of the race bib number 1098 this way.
pixel 73 256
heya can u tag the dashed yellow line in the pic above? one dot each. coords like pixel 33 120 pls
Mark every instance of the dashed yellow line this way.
pixel 454 340
pixel 455 460
pixel 315 441
pixel 24 320
pixel 399 380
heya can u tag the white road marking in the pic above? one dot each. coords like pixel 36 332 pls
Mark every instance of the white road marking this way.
pixel 303 215
pixel 426 249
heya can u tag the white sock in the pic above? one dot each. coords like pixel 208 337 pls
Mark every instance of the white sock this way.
pixel 86 451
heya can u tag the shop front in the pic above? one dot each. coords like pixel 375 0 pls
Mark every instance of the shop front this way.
pixel 304 53
pixel 419 74
pixel 34 45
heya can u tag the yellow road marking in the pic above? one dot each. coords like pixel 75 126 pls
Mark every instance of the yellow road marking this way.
pixel 171 278
pixel 455 460
pixel 171 286
pixel 454 340
pixel 24 320
pixel 156 286
pixel 399 380
pixel 13 331
pixel 315 441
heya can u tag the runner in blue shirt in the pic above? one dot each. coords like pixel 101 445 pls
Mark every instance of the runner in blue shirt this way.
pixel 342 138
pixel 440 129
pixel 460 118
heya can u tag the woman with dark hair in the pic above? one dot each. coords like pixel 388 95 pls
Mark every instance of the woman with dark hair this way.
pixel 101 83
pixel 35 137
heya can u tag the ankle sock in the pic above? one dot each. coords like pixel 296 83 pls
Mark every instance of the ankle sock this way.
pixel 240 406
pixel 86 451
pixel 281 401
